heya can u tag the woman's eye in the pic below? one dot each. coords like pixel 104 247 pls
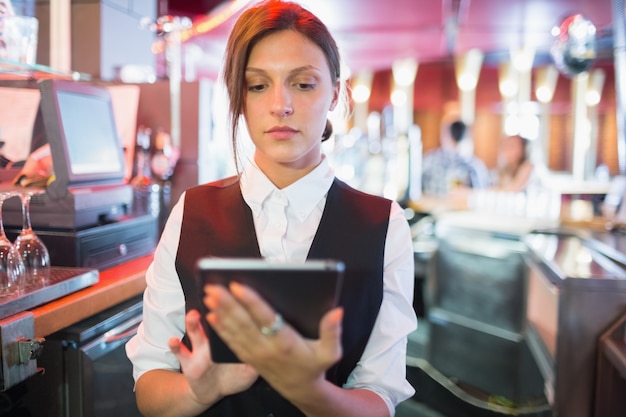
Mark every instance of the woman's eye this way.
pixel 305 86
pixel 256 87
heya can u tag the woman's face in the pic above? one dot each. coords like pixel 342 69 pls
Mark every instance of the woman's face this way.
pixel 6 9
pixel 288 94
pixel 513 151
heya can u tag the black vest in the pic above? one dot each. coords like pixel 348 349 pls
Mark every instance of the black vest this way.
pixel 353 228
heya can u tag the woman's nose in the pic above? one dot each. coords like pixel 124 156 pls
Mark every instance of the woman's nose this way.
pixel 281 103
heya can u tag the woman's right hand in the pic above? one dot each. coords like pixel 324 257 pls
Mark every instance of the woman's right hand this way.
pixel 291 364
pixel 208 381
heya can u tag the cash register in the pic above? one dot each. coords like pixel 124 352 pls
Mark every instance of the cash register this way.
pixel 85 216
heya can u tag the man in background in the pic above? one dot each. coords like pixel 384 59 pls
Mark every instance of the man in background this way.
pixel 446 168
pixel 6 8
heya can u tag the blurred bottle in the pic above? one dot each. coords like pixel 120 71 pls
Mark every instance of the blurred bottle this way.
pixel 163 163
pixel 141 171
pixel 415 163
pixel 145 190
pixel 165 156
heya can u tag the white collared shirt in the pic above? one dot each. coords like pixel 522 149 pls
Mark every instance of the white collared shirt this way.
pixel 286 221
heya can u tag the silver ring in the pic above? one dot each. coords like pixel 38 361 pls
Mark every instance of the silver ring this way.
pixel 275 327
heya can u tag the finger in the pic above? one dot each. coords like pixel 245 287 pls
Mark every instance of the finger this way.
pixel 330 335
pixel 180 350
pixel 261 312
pixel 177 347
pixel 213 295
pixel 223 308
pixel 228 317
pixel 195 332
pixel 220 300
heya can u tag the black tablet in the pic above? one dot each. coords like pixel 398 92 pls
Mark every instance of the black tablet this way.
pixel 301 292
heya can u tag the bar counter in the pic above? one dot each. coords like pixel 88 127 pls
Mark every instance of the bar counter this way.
pixel 527 282
pixel 115 285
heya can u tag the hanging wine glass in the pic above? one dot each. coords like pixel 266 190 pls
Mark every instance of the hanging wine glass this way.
pixel 12 270
pixel 32 250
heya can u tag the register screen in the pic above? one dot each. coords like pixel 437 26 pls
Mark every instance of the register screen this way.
pixel 89 127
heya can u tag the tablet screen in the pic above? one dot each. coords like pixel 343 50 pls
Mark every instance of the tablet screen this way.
pixel 301 293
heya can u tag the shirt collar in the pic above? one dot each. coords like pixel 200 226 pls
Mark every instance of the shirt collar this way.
pixel 303 195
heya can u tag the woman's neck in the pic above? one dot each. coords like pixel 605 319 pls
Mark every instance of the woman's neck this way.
pixel 283 175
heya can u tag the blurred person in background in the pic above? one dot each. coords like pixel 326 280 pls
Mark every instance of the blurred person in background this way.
pixel 6 8
pixel 515 168
pixel 446 170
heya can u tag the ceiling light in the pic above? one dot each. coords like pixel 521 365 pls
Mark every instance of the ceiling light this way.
pixel 398 98
pixel 596 83
pixel 467 68
pixel 360 93
pixel 404 71
pixel 546 79
pixel 508 83
pixel 522 58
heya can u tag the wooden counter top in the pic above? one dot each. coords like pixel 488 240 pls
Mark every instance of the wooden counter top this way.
pixel 115 285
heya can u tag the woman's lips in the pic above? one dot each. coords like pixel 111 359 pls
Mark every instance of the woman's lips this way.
pixel 282 132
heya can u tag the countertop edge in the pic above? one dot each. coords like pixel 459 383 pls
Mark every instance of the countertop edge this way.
pixel 115 285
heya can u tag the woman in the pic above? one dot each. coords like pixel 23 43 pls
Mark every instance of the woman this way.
pixel 515 166
pixel 282 75
pixel 6 8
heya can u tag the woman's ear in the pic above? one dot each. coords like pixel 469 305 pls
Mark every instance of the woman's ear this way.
pixel 335 99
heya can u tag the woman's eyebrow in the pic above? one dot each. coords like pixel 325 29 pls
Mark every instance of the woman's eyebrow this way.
pixel 305 68
pixel 293 71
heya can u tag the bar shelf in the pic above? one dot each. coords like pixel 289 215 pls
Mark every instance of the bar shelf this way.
pixel 13 70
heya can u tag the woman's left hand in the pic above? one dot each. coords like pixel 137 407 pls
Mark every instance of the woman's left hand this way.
pixel 287 361
pixel 205 378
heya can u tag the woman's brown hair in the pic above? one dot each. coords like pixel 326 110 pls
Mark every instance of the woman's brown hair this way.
pixel 258 22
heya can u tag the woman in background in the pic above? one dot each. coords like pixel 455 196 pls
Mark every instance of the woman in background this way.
pixel 6 8
pixel 515 168
pixel 282 76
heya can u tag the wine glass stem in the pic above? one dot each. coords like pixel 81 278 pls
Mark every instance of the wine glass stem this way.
pixel 26 212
